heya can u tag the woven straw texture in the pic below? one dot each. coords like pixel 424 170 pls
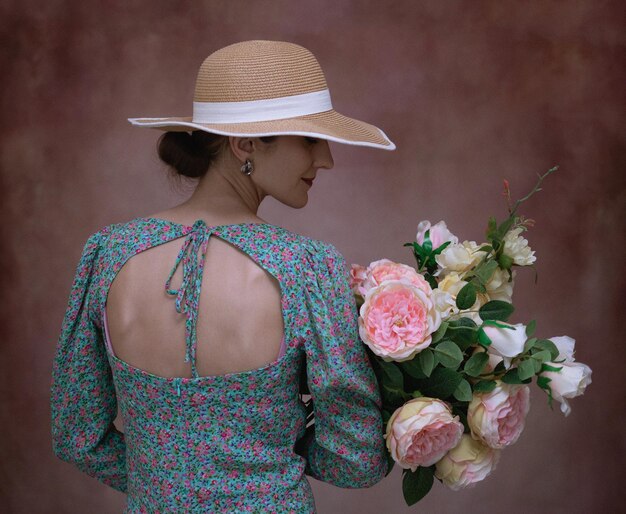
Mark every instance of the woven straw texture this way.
pixel 256 70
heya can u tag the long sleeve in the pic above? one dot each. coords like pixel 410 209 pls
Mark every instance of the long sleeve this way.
pixel 83 401
pixel 347 448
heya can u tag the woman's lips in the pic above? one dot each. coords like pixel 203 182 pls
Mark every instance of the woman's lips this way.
pixel 308 181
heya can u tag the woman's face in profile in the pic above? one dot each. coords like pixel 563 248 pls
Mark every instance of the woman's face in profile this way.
pixel 286 167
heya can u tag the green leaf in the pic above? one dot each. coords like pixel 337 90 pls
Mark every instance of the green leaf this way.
pixel 416 484
pixel 542 356
pixel 547 367
pixel 391 375
pixel 505 226
pixel 427 244
pixel 492 229
pixel 505 261
pixel 462 331
pixel 525 369
pixel 448 354
pixel 426 361
pixel 485 248
pixel 463 391
pixel 529 344
pixel 496 310
pixel 476 363
pixel 484 386
pixel 512 377
pixel 483 338
pixel 439 333
pixel 549 346
pixel 413 367
pixel 466 297
pixel 485 271
pixel 530 328
pixel 441 384
pixel 543 382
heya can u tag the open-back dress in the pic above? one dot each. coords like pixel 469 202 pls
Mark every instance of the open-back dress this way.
pixel 222 443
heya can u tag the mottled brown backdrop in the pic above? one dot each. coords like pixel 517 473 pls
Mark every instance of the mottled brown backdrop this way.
pixel 471 92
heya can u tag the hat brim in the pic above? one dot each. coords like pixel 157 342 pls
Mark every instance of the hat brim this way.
pixel 328 125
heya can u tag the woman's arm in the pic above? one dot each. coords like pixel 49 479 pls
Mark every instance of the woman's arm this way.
pixel 347 447
pixel 83 402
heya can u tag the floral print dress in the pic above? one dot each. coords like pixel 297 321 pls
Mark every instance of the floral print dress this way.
pixel 223 443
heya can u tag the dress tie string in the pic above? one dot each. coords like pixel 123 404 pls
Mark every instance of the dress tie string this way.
pixel 188 294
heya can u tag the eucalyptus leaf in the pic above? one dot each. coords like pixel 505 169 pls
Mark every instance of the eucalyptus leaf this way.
pixel 496 310
pixel 463 391
pixel 476 363
pixel 466 296
pixel 448 354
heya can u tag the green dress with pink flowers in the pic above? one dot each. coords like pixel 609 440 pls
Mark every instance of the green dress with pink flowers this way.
pixel 223 443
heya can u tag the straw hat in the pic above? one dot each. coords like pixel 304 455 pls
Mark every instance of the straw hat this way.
pixel 262 88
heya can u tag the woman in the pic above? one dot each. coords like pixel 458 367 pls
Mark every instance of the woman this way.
pixel 209 390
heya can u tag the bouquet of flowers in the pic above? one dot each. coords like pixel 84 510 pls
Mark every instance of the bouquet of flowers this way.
pixel 452 370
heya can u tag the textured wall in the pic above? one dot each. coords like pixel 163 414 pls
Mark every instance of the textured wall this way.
pixel 471 93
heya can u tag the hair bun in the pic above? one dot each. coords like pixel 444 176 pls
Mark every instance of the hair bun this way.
pixel 190 154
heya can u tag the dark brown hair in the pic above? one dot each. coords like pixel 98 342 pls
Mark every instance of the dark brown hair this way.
pixel 191 154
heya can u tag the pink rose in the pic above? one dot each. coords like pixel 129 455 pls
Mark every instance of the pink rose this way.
pixel 421 431
pixel 467 463
pixel 397 320
pixel 438 234
pixel 384 269
pixel 497 418
pixel 358 274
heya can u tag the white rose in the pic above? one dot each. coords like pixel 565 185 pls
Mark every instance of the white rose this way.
pixel 498 287
pixel 438 234
pixel 506 342
pixel 573 377
pixel 516 247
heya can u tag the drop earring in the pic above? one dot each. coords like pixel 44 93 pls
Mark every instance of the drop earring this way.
pixel 247 167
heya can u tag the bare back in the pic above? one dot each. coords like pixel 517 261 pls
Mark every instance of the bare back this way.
pixel 239 325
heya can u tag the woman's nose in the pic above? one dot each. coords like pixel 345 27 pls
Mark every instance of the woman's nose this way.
pixel 323 155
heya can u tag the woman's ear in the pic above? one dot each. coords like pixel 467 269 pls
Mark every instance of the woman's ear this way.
pixel 242 147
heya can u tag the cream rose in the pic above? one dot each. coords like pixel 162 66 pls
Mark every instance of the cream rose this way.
pixel 516 247
pixel 497 418
pixel 459 257
pixel 499 288
pixel 452 283
pixel 506 342
pixel 421 431
pixel 467 463
pixel 573 377
pixel 397 320
pixel 438 234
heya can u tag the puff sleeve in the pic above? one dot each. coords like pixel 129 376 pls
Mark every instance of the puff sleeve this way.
pixel 83 401
pixel 347 447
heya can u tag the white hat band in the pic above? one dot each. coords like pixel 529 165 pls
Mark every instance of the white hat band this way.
pixel 262 110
